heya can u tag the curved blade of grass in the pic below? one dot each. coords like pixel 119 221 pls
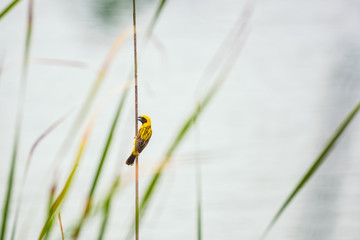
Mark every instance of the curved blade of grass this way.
pixel 154 19
pixel 24 176
pixel 59 200
pixel 107 207
pixel 226 46
pixel 8 8
pixel 185 128
pixel 317 163
pixel 20 107
pixel 50 202
pixel 101 163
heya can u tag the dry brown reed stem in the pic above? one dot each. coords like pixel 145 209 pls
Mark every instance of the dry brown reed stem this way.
pixel 61 227
pixel 136 129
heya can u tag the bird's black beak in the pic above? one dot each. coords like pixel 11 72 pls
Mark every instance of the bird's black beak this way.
pixel 141 119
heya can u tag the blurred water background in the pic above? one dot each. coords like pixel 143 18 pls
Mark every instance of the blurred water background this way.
pixel 296 79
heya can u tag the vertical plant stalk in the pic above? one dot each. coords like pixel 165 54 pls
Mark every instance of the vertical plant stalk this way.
pixel 198 196
pixel 20 109
pixel 198 189
pixel 136 129
pixel 61 227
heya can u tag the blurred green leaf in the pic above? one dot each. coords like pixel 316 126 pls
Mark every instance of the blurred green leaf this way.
pixel 318 161
pixel 24 176
pixel 199 202
pixel 20 109
pixel 155 18
pixel 101 163
pixel 59 200
pixel 50 202
pixel 8 8
pixel 107 207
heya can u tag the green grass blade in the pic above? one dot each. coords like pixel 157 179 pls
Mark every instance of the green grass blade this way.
pixel 50 202
pixel 154 19
pixel 9 191
pixel 21 100
pixel 180 136
pixel 199 221
pixel 106 213
pixel 109 141
pixel 59 200
pixel 101 163
pixel 107 207
pixel 24 176
pixel 8 8
pixel 198 194
pixel 318 161
pixel 199 197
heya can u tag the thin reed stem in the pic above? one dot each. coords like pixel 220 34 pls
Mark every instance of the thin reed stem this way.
pixel 61 227
pixel 136 129
pixel 198 182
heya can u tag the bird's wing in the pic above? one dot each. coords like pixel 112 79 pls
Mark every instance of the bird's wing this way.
pixel 142 139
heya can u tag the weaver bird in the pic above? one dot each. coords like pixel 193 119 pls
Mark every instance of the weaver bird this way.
pixel 141 139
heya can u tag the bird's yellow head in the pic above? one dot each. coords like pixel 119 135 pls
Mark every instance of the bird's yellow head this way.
pixel 144 119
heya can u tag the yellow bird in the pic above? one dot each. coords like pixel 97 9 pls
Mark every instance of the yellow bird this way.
pixel 142 138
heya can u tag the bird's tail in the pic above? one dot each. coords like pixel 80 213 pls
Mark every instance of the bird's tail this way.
pixel 131 159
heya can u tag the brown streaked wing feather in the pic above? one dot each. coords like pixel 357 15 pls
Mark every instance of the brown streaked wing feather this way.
pixel 141 143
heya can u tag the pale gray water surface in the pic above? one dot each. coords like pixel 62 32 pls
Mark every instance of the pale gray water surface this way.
pixel 296 79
